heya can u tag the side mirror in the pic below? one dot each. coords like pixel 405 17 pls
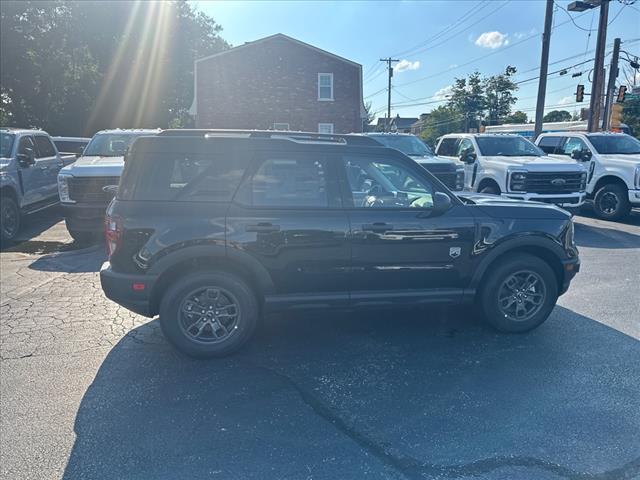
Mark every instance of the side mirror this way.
pixel 27 158
pixel 581 155
pixel 468 157
pixel 441 203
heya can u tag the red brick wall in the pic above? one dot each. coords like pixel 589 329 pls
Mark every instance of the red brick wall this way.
pixel 276 81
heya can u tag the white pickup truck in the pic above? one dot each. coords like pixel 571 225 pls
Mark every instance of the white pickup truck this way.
pixel 612 161
pixel 512 166
pixel 83 186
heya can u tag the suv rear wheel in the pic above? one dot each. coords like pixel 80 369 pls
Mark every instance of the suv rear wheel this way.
pixel 611 202
pixel 209 314
pixel 519 294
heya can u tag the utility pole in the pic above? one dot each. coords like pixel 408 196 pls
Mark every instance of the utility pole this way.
pixel 598 69
pixel 611 88
pixel 389 61
pixel 544 69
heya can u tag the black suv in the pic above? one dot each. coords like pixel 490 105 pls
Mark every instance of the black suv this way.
pixel 213 229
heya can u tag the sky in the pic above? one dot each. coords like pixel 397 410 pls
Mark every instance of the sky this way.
pixel 437 41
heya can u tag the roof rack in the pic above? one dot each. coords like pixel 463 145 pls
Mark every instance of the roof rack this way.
pixel 302 137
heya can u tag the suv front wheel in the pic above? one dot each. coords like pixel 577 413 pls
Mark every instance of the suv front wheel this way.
pixel 519 294
pixel 208 314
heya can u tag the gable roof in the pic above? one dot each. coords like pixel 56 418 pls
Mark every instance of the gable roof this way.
pixel 283 37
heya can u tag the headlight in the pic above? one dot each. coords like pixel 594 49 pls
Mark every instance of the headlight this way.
pixel 63 188
pixel 517 181
pixel 637 176
pixel 583 181
pixel 460 179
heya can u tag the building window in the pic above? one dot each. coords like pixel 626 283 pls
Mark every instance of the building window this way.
pixel 325 87
pixel 281 126
pixel 325 128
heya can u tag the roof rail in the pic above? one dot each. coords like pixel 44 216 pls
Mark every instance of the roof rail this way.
pixel 302 137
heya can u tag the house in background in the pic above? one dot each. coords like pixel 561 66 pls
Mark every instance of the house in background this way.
pixel 419 125
pixel 398 124
pixel 278 83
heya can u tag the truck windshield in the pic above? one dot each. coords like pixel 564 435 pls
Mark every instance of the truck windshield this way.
pixel 6 144
pixel 618 144
pixel 109 144
pixel 507 147
pixel 407 144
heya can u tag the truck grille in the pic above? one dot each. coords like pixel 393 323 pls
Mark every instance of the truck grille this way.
pixel 561 182
pixel 89 189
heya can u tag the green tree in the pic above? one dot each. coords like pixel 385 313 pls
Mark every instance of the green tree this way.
pixel 631 116
pixel 74 67
pixel 442 120
pixel 499 96
pixel 467 99
pixel 516 117
pixel 557 116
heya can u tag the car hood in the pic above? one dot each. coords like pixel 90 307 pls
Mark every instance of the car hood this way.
pixel 428 160
pixel 95 166
pixel 533 164
pixel 497 206
pixel 630 160
pixel 4 163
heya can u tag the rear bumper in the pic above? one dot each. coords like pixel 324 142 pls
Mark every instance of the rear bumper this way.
pixel 565 200
pixel 634 197
pixel 119 287
pixel 84 217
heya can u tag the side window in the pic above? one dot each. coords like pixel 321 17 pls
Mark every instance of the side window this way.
pixel 550 144
pixel 376 182
pixel 466 146
pixel 26 142
pixel 447 147
pixel 573 144
pixel 325 86
pixel 45 147
pixel 289 182
pixel 325 128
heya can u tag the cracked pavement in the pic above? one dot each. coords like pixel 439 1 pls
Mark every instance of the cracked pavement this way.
pixel 89 390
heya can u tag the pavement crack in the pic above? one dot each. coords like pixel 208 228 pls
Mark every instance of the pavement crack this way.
pixel 412 468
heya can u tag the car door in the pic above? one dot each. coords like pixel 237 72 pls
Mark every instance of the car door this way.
pixel 49 164
pixel 401 249
pixel 465 147
pixel 287 215
pixel 28 174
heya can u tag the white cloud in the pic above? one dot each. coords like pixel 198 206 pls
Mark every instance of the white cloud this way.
pixel 442 93
pixel 404 65
pixel 566 100
pixel 492 40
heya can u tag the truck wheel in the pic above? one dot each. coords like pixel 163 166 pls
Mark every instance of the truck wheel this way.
pixel 519 294
pixel 9 218
pixel 208 314
pixel 611 202
pixel 490 190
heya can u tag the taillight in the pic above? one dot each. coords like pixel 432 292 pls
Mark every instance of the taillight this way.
pixel 112 234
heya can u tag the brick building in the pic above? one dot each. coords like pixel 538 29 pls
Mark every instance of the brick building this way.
pixel 278 82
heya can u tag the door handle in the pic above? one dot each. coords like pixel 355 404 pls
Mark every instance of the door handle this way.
pixel 262 227
pixel 377 227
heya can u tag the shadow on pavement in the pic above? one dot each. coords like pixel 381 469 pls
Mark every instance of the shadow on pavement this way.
pixel 84 260
pixel 417 394
pixel 601 237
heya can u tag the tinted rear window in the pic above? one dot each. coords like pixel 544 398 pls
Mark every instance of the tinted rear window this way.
pixel 181 177
pixel 69 146
pixel 447 147
pixel 549 144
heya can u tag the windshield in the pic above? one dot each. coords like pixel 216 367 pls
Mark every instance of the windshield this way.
pixel 407 144
pixel 6 144
pixel 507 147
pixel 618 144
pixel 110 144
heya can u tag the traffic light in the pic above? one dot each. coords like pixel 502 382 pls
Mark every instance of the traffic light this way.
pixel 621 91
pixel 580 93
pixel 616 116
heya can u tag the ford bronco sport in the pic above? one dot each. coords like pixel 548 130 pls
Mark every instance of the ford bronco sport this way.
pixel 211 229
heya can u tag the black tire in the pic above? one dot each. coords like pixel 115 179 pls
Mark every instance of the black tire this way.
pixel 611 202
pixel 10 218
pixel 492 291
pixel 490 190
pixel 173 322
pixel 83 237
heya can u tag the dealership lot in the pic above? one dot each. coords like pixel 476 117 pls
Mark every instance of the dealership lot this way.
pixel 90 390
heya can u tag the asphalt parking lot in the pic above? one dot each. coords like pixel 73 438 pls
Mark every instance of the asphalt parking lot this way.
pixel 92 391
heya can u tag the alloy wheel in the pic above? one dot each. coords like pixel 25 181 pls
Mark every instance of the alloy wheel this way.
pixel 521 295
pixel 8 220
pixel 209 315
pixel 609 203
